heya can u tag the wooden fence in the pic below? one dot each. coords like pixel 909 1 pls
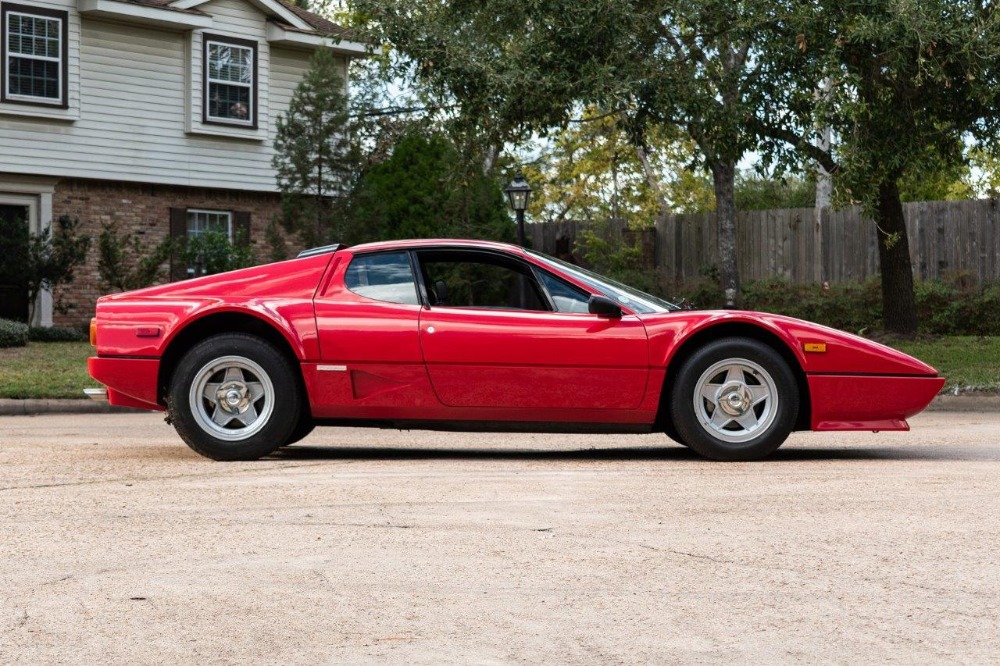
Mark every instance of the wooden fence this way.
pixel 947 238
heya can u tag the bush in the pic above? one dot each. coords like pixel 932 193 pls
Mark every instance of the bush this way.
pixel 850 306
pixel 944 307
pixel 13 333
pixel 56 334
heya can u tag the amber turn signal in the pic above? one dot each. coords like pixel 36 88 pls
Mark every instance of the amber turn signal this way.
pixel 814 347
pixel 93 331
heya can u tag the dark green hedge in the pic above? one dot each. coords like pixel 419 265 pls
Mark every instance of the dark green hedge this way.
pixel 56 334
pixel 13 333
pixel 944 307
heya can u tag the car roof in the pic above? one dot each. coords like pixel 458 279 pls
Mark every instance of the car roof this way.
pixel 436 243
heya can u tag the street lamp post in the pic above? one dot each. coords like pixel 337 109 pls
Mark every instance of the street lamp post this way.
pixel 519 193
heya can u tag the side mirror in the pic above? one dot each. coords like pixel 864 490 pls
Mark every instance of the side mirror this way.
pixel 602 306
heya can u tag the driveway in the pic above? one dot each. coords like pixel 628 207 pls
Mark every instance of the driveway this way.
pixel 119 544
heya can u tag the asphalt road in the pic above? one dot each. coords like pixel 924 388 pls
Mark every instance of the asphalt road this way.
pixel 118 544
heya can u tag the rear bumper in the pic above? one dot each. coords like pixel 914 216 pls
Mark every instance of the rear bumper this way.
pixel 131 382
pixel 869 402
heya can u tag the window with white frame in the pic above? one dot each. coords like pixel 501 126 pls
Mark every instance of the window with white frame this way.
pixel 34 53
pixel 230 68
pixel 201 222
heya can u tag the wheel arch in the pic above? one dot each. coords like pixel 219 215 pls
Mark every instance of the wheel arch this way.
pixel 224 322
pixel 727 330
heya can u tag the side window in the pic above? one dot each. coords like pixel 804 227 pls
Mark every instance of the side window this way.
pixel 479 280
pixel 382 277
pixel 565 296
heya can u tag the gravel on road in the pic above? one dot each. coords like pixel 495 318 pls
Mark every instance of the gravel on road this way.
pixel 120 545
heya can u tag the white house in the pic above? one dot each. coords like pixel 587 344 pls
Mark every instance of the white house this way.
pixel 154 114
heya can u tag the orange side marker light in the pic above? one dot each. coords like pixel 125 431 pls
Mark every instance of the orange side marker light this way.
pixel 814 347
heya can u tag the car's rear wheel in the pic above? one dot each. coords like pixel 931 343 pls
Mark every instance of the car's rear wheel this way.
pixel 735 399
pixel 234 397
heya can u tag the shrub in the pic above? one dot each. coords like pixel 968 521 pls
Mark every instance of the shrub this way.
pixel 944 307
pixel 56 334
pixel 125 262
pixel 13 333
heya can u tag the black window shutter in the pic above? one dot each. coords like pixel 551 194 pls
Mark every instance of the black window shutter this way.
pixel 241 228
pixel 178 232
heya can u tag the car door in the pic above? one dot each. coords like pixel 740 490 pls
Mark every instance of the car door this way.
pixel 370 364
pixel 495 339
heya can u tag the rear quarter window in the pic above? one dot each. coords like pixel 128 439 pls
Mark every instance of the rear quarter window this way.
pixel 385 277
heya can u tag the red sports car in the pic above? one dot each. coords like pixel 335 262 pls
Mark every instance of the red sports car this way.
pixel 467 335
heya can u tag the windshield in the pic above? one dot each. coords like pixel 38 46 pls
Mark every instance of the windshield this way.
pixel 638 301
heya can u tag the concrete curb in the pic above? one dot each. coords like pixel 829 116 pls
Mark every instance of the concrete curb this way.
pixel 965 403
pixel 32 407
pixel 942 403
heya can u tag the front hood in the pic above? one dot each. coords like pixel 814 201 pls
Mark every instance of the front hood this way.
pixel 819 349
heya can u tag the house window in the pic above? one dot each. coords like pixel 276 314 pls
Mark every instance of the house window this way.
pixel 230 67
pixel 34 53
pixel 200 222
pixel 188 230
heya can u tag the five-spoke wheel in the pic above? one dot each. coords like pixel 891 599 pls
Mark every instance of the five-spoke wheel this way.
pixel 734 399
pixel 234 397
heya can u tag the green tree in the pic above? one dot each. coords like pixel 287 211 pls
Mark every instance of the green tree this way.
pixel 514 68
pixel 590 170
pixel 53 257
pixel 757 193
pixel 425 190
pixel 314 158
pixel 908 82
pixel 124 262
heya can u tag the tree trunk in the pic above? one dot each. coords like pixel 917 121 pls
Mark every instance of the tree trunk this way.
pixel 899 307
pixel 653 181
pixel 724 179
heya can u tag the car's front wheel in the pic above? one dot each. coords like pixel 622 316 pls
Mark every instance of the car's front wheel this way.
pixel 734 399
pixel 234 397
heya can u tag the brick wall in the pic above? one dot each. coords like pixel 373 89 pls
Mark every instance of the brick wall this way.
pixel 143 210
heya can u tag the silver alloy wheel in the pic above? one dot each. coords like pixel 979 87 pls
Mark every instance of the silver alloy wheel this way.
pixel 736 400
pixel 231 398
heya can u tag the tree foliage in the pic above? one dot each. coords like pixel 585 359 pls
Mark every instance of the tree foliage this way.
pixel 515 68
pixel 425 190
pixel 125 262
pixel 314 159
pixel 909 81
pixel 754 192
pixel 53 257
pixel 591 171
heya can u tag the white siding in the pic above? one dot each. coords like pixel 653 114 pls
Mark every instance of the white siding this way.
pixel 135 108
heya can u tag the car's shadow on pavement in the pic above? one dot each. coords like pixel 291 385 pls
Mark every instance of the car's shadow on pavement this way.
pixel 652 453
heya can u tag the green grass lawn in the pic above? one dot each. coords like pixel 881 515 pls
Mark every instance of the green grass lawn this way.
pixel 59 369
pixel 45 370
pixel 969 363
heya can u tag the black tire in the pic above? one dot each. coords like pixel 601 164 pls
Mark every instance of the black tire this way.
pixel 734 399
pixel 257 397
pixel 302 430
pixel 671 432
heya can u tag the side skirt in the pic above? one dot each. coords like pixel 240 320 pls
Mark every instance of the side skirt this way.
pixel 497 426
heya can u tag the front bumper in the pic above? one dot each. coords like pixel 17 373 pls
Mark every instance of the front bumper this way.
pixel 869 402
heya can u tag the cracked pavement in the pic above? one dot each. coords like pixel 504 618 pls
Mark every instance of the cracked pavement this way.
pixel 119 545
